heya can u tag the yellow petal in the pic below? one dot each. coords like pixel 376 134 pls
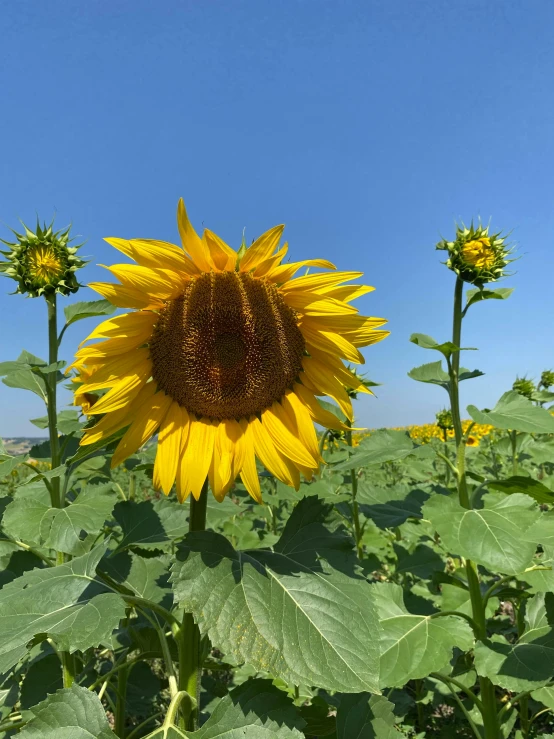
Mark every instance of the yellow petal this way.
pixel 268 455
pixel 125 297
pixel 196 458
pixel 365 337
pixel 300 418
pixel 284 272
pixel 169 447
pixel 161 254
pixel 192 243
pixel 126 324
pixel 111 347
pixel 112 422
pixel 223 257
pixel 275 421
pixel 261 249
pixel 122 393
pixel 319 414
pixel 113 369
pixel 314 305
pixel 346 292
pixel 146 420
pixel 332 343
pixel 248 472
pixel 316 282
pixel 268 264
pixel 158 283
pixel 345 376
pixel 320 377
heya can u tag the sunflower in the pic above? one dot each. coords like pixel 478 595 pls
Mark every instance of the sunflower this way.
pixel 222 354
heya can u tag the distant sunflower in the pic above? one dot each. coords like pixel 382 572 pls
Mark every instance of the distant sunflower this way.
pixel 223 356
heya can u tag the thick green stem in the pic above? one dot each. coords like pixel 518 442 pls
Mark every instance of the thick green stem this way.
pixel 513 439
pixel 120 714
pixel 190 663
pixel 51 386
pixel 447 475
pixel 488 696
pixel 354 502
pixel 68 661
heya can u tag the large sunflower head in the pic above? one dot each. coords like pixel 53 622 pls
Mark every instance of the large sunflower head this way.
pixel 476 255
pixel 223 354
pixel 42 261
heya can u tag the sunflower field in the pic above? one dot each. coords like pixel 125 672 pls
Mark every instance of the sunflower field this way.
pixel 207 545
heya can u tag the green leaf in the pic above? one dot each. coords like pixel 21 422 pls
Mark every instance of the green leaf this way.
pixel 68 422
pixel 43 677
pixel 26 379
pixel 287 612
pixel 544 696
pixel 366 716
pixel 412 646
pixel 431 372
pixel 515 413
pixel 332 408
pixel 254 710
pixel 88 309
pixel 527 485
pixel 475 296
pixel 390 507
pixel 150 523
pixel 527 664
pixel 447 348
pixel 144 577
pixel 10 464
pixel 87 514
pixel 65 603
pixel 423 561
pixel 493 536
pixel 385 445
pixel 71 713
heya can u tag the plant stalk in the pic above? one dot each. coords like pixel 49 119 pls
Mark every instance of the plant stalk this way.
pixel 354 502
pixel 513 439
pixel 190 662
pixel 120 715
pixel 488 696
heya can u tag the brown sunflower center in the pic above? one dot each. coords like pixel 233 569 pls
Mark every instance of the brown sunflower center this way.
pixel 228 347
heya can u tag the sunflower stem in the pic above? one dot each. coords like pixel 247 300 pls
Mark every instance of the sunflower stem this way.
pixel 488 697
pixel 190 659
pixel 67 660
pixel 354 502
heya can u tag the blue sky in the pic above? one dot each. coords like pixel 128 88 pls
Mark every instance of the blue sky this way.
pixel 367 127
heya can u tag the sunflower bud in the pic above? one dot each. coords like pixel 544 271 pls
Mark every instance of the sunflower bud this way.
pixel 524 387
pixel 547 379
pixel 477 256
pixel 444 420
pixel 42 262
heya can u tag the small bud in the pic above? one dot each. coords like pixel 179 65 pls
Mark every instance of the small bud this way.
pixel 42 262
pixel 547 379
pixel 524 387
pixel 444 420
pixel 477 256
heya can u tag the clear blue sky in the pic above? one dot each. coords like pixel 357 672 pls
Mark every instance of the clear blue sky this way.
pixel 367 127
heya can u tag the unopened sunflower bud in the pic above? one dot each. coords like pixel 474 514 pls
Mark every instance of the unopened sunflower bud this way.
pixel 476 256
pixel 42 262
pixel 547 379
pixel 444 420
pixel 524 387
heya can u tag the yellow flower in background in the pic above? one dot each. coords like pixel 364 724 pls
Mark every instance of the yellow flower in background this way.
pixel 223 354
pixel 472 441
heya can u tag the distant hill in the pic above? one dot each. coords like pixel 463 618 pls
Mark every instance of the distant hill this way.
pixel 22 444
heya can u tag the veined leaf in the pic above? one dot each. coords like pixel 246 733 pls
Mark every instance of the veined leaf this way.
pixel 287 612
pixel 515 413
pixel 493 536
pixel 384 445
pixel 475 296
pixel 367 717
pixel 63 602
pixel 71 713
pixel 527 485
pixel 412 646
pixel 150 523
pixel 87 309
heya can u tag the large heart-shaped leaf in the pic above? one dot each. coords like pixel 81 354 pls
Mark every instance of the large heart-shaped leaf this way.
pixel 412 646
pixel 516 413
pixel 493 536
pixel 366 716
pixel 65 602
pixel 71 713
pixel 289 612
